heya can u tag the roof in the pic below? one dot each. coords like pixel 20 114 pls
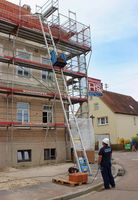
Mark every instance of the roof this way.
pixel 120 103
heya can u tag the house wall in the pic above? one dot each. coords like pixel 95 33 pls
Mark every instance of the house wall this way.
pixel 38 138
pixel 8 73
pixel 127 126
pixel 119 125
pixel 34 139
pixel 103 111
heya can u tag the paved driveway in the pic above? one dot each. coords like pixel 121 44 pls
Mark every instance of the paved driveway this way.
pixel 126 186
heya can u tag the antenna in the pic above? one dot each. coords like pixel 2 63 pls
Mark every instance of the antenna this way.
pixel 106 86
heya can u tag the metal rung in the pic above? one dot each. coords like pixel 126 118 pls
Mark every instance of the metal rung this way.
pixel 49 12
pixel 76 140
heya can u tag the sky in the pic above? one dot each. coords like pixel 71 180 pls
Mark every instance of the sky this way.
pixel 114 36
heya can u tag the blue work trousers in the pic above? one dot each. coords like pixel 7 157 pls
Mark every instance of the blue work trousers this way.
pixel 107 175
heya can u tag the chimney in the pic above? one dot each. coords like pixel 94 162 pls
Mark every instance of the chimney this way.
pixel 27 7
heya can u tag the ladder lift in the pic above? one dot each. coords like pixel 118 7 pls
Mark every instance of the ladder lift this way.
pixel 76 139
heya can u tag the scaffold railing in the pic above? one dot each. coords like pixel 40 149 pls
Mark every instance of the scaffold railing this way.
pixel 48 8
pixel 62 27
pixel 24 57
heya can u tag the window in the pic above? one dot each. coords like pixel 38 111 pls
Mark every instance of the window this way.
pixel 23 71
pixel 23 112
pixel 24 155
pixel 49 154
pixel 47 76
pixel 47 114
pixel 102 120
pixel 96 106
pixel 46 61
pixel 23 54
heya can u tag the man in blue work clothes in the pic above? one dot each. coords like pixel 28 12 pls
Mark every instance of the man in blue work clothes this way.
pixel 104 160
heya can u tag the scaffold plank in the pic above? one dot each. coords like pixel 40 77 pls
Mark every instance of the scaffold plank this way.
pixel 37 65
pixel 31 93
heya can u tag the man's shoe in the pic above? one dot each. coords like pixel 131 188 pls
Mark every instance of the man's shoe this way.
pixel 107 188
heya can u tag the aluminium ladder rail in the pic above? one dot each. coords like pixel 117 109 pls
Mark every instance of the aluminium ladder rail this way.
pixel 74 140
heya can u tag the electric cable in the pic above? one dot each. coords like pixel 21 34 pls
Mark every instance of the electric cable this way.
pixel 96 174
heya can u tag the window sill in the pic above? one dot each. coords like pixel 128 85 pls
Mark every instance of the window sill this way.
pixel 24 128
pixel 103 124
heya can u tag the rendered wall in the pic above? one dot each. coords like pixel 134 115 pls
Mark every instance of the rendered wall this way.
pixel 127 126
pixel 37 138
pixel 119 125
pixel 103 111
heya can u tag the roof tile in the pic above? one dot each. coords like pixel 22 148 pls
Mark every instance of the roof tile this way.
pixel 120 103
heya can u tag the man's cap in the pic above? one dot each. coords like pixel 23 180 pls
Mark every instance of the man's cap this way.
pixel 105 141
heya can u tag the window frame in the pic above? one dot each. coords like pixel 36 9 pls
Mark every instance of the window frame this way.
pixel 100 123
pixel 48 111
pixel 49 76
pixel 22 69
pixel 43 59
pixel 49 155
pixel 22 154
pixel 23 112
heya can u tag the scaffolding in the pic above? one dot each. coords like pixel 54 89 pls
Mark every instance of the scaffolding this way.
pixel 19 26
pixel 70 37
